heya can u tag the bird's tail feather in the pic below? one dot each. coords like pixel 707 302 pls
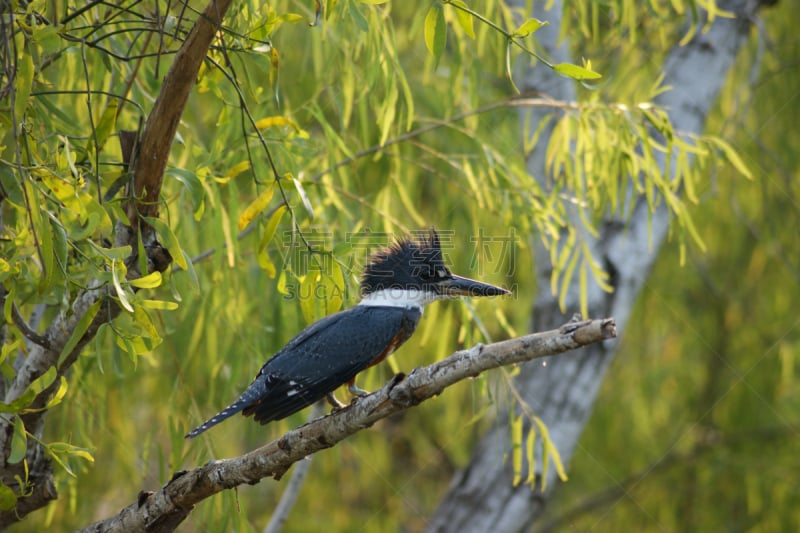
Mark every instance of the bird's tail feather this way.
pixel 248 397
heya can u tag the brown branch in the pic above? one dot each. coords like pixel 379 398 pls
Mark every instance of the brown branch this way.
pixel 167 507
pixel 162 124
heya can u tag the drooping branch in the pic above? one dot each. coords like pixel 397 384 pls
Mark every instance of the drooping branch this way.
pixel 167 507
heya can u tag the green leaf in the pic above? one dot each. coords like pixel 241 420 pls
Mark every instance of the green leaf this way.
pixel 334 289
pixel 256 206
pixel 44 381
pixel 159 304
pixel 530 454
pixel 509 69
pixel 80 230
pixel 60 244
pixel 529 26
pixel 80 328
pixel 191 272
pixel 566 279
pixel 145 323
pixel 281 285
pixel 104 127
pixel 280 121
pixel 575 72
pixel 435 31
pixel 8 500
pixel 583 296
pixel 262 255
pixel 20 404
pixel 465 19
pixel 56 459
pixel 5 269
pixel 66 190
pixel 169 240
pixel 59 395
pixel 549 451
pixel 56 449
pixel 516 450
pixel 8 348
pixel 69 449
pixel 733 157
pixel 234 171
pixel 19 442
pixel 358 17
pixel 150 281
pixel 193 186
pixel 121 294
pixel 112 254
pixel 44 235
pixel 600 275
pixel 265 263
pixel 25 73
pixel 307 296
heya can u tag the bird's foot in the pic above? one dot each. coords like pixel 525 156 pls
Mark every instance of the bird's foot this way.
pixel 355 390
pixel 334 401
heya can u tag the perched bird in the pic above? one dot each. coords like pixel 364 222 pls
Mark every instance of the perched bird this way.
pixel 397 283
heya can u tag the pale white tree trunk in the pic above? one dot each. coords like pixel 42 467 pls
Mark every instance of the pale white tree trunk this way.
pixel 563 391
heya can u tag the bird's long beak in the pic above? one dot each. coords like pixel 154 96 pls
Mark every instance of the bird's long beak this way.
pixel 458 286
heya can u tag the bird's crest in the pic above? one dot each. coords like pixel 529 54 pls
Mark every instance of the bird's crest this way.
pixel 406 264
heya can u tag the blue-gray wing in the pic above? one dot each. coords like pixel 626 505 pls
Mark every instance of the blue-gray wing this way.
pixel 321 358
pixel 328 354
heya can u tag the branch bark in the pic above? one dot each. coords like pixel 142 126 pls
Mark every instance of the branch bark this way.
pixel 167 507
pixel 167 110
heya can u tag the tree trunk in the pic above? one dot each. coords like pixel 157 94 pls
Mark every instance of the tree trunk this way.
pixel 563 391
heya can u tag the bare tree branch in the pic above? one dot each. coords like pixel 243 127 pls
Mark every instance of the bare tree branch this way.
pixel 164 509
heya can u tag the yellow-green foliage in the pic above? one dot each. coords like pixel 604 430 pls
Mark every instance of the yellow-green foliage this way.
pixel 695 428
pixel 298 140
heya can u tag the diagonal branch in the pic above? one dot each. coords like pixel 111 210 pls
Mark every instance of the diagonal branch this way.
pixel 164 509
pixel 166 114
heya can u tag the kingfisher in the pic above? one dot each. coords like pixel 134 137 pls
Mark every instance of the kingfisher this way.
pixel 397 283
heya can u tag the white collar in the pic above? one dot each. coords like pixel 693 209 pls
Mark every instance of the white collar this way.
pixel 408 298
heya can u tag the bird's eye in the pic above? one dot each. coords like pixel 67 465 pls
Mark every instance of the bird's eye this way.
pixel 427 274
pixel 434 274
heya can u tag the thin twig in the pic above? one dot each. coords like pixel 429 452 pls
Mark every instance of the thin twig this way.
pixel 26 330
